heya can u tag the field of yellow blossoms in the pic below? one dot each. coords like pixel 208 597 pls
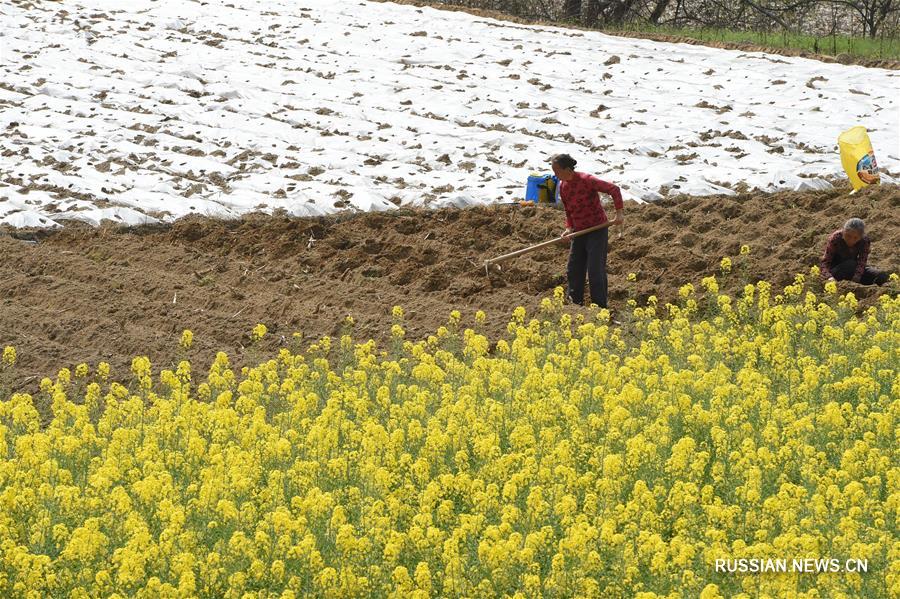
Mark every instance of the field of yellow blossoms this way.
pixel 574 458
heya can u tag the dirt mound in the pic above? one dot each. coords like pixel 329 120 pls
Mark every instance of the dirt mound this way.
pixel 83 294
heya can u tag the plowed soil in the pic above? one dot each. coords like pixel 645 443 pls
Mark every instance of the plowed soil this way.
pixel 84 294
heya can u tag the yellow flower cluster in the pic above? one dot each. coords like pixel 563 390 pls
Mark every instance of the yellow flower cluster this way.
pixel 187 339
pixel 258 332
pixel 9 356
pixel 725 265
pixel 570 459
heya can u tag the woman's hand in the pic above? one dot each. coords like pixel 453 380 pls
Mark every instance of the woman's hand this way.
pixel 562 239
pixel 620 217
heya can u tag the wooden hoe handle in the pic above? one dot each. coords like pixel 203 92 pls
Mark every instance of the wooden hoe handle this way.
pixel 538 246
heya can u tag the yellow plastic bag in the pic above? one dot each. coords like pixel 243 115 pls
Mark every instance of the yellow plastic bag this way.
pixel 858 157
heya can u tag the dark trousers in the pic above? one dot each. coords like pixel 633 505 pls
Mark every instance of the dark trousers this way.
pixel 844 272
pixel 588 256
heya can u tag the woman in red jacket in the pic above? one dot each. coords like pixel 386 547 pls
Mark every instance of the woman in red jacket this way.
pixel 580 195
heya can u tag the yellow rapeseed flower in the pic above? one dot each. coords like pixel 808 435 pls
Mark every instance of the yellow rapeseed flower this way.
pixel 258 332
pixel 725 265
pixel 187 339
pixel 571 457
pixel 9 355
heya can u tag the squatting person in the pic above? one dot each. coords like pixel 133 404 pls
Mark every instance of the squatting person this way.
pixel 580 195
pixel 846 256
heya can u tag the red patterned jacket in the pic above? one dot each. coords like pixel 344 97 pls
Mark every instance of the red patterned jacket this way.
pixel 582 204
pixel 837 250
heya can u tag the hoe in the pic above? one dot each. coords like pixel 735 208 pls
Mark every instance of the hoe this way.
pixel 495 262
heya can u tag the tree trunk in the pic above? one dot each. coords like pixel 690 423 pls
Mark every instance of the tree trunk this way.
pixel 573 10
pixel 678 5
pixel 593 11
pixel 658 10
pixel 619 10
